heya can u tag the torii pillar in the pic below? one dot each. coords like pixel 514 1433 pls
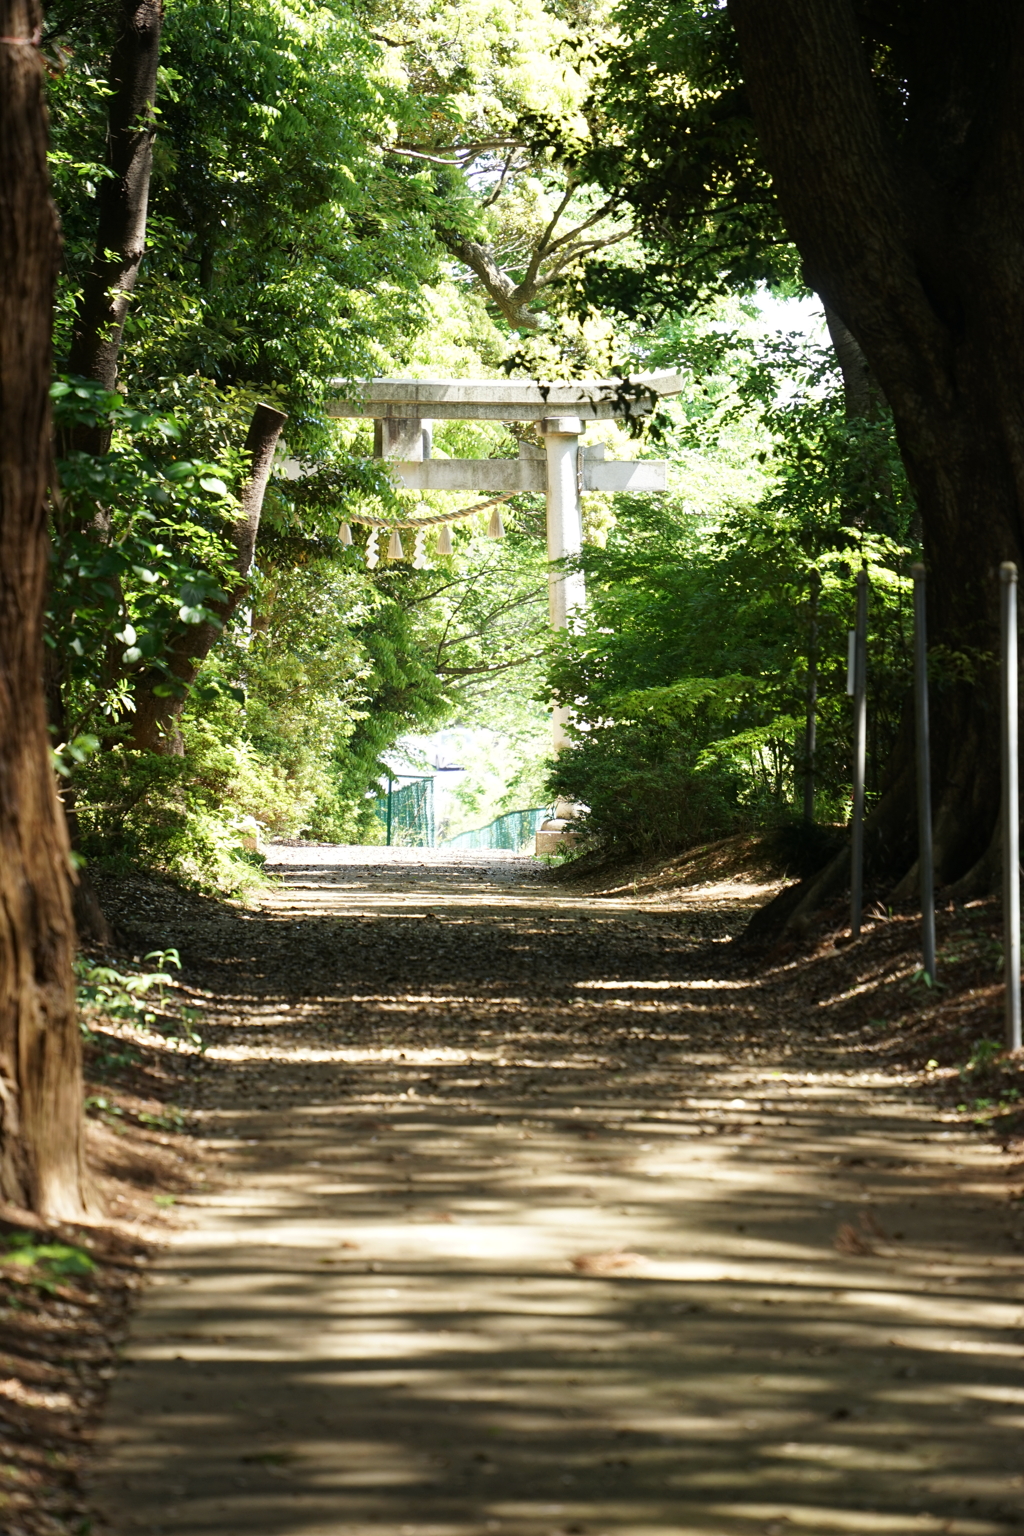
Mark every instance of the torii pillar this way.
pixel 566 591
pixel 404 410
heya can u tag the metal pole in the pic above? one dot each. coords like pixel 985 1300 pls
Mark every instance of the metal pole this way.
pixel 390 782
pixel 810 738
pixel 925 860
pixel 1011 801
pixel 860 720
pixel 565 532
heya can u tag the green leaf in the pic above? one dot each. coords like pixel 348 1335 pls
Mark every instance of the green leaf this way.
pixel 183 469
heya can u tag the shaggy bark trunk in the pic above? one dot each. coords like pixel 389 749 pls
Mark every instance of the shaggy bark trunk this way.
pixel 40 1052
pixel 917 245
pixel 122 201
pixel 155 721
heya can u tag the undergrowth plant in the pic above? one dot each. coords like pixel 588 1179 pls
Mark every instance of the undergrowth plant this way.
pixel 45 1265
pixel 138 998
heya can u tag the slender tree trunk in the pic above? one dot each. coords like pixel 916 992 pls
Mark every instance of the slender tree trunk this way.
pixel 122 207
pixel 40 1053
pixel 860 388
pixel 122 201
pixel 155 721
pixel 918 247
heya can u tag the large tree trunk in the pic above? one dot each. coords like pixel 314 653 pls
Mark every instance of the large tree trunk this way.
pixel 123 202
pixel 40 1053
pixel 916 241
pixel 155 720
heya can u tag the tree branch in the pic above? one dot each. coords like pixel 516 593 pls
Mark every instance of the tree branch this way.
pixel 541 248
pixel 509 297
pixel 482 671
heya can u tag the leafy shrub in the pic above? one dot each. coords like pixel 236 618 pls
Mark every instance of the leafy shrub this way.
pixel 192 818
pixel 645 792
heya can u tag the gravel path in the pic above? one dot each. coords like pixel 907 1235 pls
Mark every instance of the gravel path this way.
pixel 532 1224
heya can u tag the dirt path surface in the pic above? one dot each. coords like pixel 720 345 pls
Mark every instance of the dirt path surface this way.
pixel 537 1217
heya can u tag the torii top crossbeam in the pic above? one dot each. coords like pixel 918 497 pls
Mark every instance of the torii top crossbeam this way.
pixel 505 399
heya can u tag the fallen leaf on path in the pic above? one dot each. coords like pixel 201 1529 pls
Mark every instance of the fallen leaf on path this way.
pixel 849 1240
pixel 611 1263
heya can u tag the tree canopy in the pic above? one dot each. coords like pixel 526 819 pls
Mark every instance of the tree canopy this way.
pixel 262 204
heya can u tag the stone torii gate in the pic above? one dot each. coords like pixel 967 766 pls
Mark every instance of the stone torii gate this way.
pixel 404 410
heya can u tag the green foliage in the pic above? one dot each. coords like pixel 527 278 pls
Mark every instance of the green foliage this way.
pixel 462 641
pixel 101 989
pixel 672 133
pixel 304 156
pixel 137 998
pixel 138 555
pixel 484 79
pixel 286 247
pixel 688 677
pixel 192 816
pixel 283 249
pixel 52 1264
pixel 984 1055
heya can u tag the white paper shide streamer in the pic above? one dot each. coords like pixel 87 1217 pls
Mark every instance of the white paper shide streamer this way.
pixel 419 554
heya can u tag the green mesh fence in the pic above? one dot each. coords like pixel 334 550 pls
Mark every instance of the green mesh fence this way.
pixel 515 830
pixel 407 814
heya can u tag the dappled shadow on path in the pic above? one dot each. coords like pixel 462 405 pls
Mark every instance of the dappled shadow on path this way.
pixel 533 1227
